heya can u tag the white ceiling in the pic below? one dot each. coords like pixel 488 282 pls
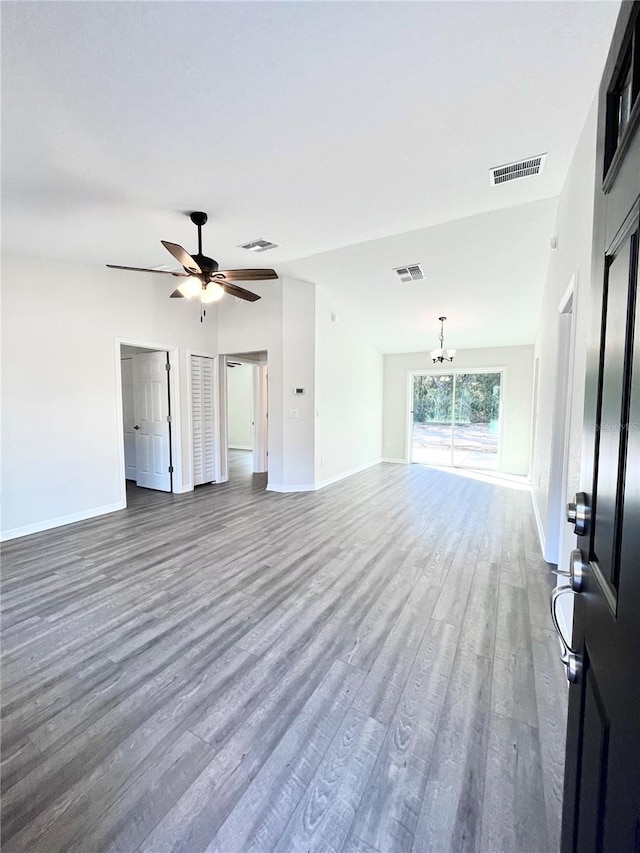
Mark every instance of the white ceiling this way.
pixel 348 133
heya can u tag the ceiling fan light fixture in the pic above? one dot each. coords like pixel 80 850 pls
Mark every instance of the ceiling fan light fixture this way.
pixel 202 277
pixel 190 287
pixel 211 293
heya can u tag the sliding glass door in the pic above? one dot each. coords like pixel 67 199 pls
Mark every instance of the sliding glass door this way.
pixel 456 419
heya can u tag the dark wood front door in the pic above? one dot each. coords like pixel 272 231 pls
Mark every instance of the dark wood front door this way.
pixel 601 812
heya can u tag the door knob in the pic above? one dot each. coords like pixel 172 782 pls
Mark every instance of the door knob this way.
pixel 576 571
pixel 569 657
pixel 578 514
pixel 136 427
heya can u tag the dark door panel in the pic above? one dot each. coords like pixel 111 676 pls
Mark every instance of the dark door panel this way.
pixel 601 811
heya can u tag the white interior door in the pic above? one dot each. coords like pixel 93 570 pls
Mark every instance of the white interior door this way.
pixel 260 418
pixel 128 419
pixel 203 420
pixel 151 407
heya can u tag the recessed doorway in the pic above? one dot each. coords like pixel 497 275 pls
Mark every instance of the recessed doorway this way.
pixel 455 418
pixel 245 420
pixel 148 430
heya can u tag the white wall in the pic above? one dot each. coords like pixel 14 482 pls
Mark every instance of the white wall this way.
pixel 298 371
pixel 62 434
pixel 283 324
pixel 348 396
pixel 572 257
pixel 240 406
pixel 62 429
pixel 253 327
pixel 516 420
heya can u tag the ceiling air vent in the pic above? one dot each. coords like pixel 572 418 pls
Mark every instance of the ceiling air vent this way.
pixel 412 272
pixel 259 245
pixel 513 171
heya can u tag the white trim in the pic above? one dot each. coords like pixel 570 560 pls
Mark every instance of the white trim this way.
pixel 569 299
pixel 260 417
pixel 177 481
pixel 568 294
pixel 261 433
pixel 277 487
pixel 394 460
pixel 48 524
pixel 535 395
pixel 561 423
pixel 314 487
pixel 337 477
pixel 539 526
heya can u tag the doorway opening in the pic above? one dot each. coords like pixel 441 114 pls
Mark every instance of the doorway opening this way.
pixel 558 536
pixel 455 418
pixel 146 419
pixel 246 415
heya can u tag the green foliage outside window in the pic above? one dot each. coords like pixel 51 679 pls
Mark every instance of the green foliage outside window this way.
pixel 477 398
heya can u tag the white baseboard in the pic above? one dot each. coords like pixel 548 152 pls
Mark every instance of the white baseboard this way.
pixel 539 526
pixel 320 484
pixel 278 487
pixel 50 523
pixel 394 460
pixel 239 447
pixel 337 477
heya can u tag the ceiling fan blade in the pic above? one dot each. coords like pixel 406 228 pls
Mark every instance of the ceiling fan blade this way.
pixel 177 295
pixel 240 292
pixel 248 275
pixel 182 256
pixel 145 269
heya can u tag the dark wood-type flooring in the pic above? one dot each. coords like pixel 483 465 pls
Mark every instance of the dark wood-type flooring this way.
pixel 368 669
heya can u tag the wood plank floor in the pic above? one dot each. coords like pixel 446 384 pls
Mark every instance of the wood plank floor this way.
pixel 369 669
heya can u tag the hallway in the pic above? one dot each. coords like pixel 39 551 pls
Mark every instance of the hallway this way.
pixel 367 668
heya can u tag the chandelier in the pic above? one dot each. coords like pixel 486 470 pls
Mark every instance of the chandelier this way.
pixel 440 355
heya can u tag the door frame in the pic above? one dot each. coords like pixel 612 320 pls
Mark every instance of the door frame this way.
pixel 177 485
pixel 502 370
pixel 260 393
pixel 224 423
pixel 221 467
pixel 557 533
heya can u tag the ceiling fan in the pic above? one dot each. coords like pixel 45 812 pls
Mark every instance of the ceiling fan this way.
pixel 201 274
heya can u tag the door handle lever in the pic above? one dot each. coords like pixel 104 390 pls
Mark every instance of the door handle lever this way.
pixel 569 657
pixel 136 427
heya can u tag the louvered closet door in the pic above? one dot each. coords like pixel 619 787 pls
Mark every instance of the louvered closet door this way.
pixel 203 419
